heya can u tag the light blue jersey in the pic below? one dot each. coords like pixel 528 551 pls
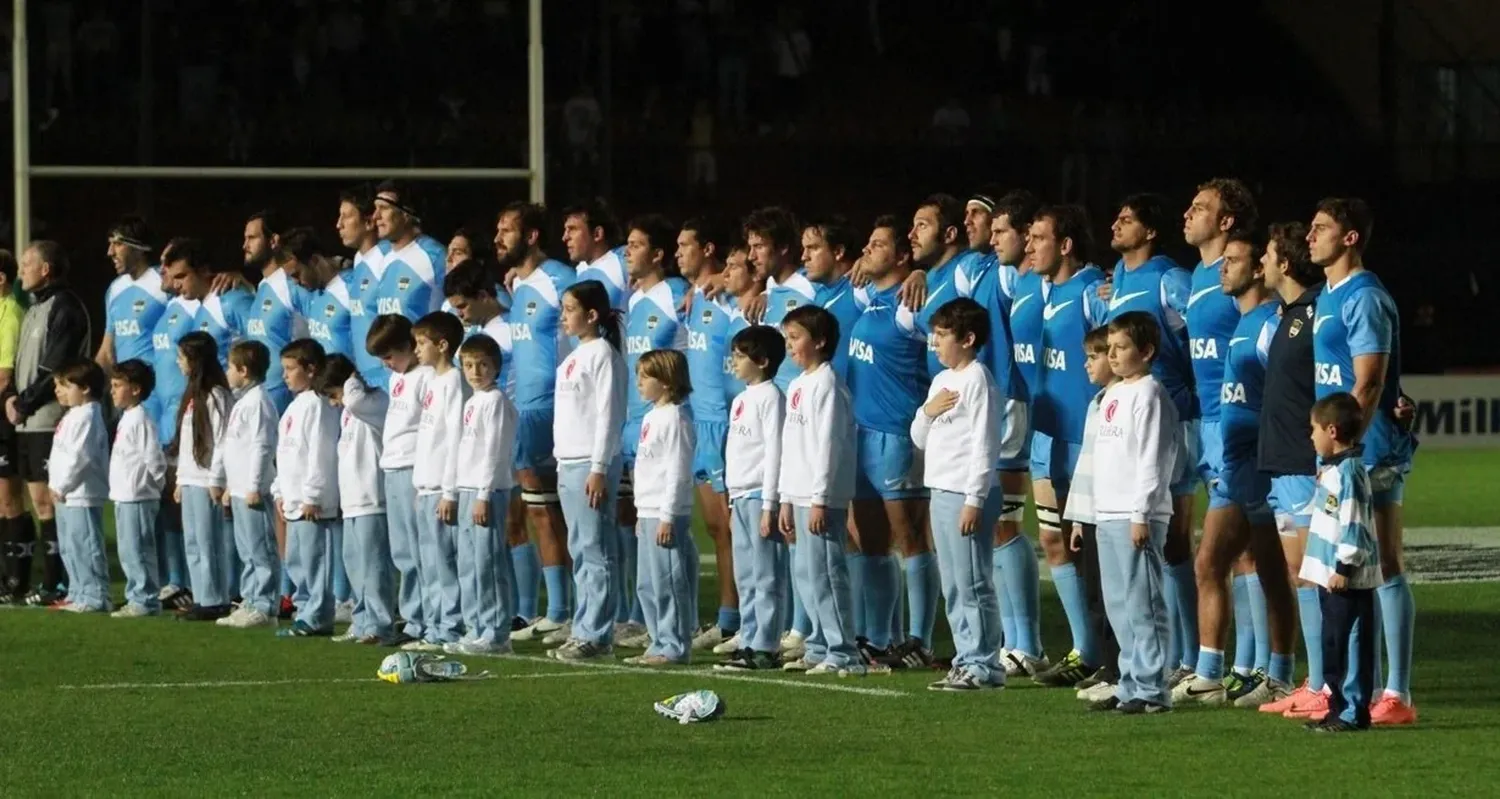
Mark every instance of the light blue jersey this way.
pixel 887 364
pixel 610 270
pixel 781 299
pixel 132 307
pixel 653 323
pixel 941 289
pixel 708 357
pixel 1026 326
pixel 1060 402
pixel 328 319
pixel 363 282
pixel 995 286
pixel 1162 288
pixel 1244 382
pixel 412 285
pixel 179 317
pixel 276 320
pixel 1355 318
pixel 1212 317
pixel 733 386
pixel 536 333
pixel 846 303
pixel 225 317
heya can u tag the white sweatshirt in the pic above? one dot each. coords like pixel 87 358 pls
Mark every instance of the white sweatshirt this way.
pixel 189 471
pixel 402 417
pixel 307 453
pixel 78 468
pixel 435 469
pixel 137 467
pixel 817 443
pixel 752 455
pixel 249 452
pixel 590 411
pixel 963 443
pixel 361 426
pixel 664 464
pixel 487 445
pixel 1136 448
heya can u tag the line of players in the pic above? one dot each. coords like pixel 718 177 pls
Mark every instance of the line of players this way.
pixel 1030 268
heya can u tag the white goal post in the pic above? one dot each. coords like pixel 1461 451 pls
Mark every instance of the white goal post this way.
pixel 534 174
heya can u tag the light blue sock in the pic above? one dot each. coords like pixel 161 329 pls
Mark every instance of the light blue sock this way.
pixel 1260 621
pixel 922 591
pixel 342 591
pixel 1398 614
pixel 1210 664
pixel 898 616
pixel 1280 668
pixel 1075 604
pixel 558 581
pixel 528 569
pixel 729 620
pixel 858 585
pixel 286 581
pixel 1244 627
pixel 800 620
pixel 1007 618
pixel 880 596
pixel 1310 609
pixel 1187 611
pixel 1023 591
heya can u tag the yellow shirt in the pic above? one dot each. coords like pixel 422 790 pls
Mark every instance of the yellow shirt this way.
pixel 11 313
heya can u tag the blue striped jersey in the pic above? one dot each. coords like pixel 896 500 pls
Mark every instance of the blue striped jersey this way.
pixel 131 308
pixel 225 317
pixel 276 318
pixel 412 284
pixel 327 313
pixel 654 323
pixel 610 270
pixel 1342 536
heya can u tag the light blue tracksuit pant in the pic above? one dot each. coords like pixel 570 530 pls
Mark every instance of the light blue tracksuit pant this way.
pixel 80 542
pixel 1131 578
pixel 401 518
pixel 594 545
pixel 209 542
pixel 255 539
pixel 760 567
pixel 966 566
pixel 442 601
pixel 135 539
pixel 485 575
pixel 372 578
pixel 821 569
pixel 666 581
pixel 311 569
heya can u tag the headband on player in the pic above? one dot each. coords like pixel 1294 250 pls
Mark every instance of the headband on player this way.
pixel 984 201
pixel 132 243
pixel 393 200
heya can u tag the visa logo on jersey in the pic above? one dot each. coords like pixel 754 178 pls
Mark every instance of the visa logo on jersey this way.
pixel 161 341
pixel 1204 349
pixel 127 327
pixel 728 364
pixel 520 331
pixel 388 305
pixel 636 345
pixel 1233 394
pixel 697 341
pixel 860 351
pixel 257 327
pixel 1328 374
pixel 1025 354
pixel 356 307
pixel 319 330
pixel 1056 359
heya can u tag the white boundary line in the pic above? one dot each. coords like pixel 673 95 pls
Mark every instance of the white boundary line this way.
pixel 719 675
pixel 604 671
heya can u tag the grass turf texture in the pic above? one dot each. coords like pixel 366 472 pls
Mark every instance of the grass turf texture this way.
pixel 193 709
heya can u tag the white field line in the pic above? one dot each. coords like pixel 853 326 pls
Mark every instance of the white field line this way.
pixel 811 684
pixel 605 671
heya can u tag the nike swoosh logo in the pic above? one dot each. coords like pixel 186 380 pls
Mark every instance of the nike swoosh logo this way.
pixel 1198 295
pixel 934 294
pixel 1015 306
pixel 1317 323
pixel 835 299
pixel 1115 303
pixel 895 482
pixel 1051 310
pixel 1237 340
pixel 1205 691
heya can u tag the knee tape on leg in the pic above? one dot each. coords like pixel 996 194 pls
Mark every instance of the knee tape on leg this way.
pixel 539 498
pixel 627 486
pixel 1048 518
pixel 1013 508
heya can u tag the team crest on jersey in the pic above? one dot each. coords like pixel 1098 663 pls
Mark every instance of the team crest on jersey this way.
pixel 531 309
pixel 796 398
pixel 791 305
pixel 403 284
pixel 645 431
pixel 364 285
pixel 265 306
pixel 1109 410
pixel 651 322
pixel 708 317
pixel 1294 329
pixel 1331 505
pixel 330 311
pixel 138 307
pixel 172 320
pixel 203 326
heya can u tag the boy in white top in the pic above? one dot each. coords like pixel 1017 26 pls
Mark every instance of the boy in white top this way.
pixel 1136 444
pixel 78 476
pixel 367 540
pixel 137 474
pixel 434 476
pixel 249 462
pixel 306 489
pixel 391 341
pixel 666 556
pixel 959 429
pixel 484 481
pixel 752 471
pixel 816 486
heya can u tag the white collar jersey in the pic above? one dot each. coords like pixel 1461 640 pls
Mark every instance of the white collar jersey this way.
pixel 962 445
pixel 664 464
pixel 590 406
pixel 250 444
pixel 307 468
pixel 137 467
pixel 435 468
pixel 361 429
pixel 78 468
pixel 487 444
pixel 752 453
pixel 817 441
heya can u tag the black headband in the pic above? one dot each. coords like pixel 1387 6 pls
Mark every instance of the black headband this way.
pixel 394 200
pixel 985 200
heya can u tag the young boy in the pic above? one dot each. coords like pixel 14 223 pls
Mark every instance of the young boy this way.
pixel 1136 443
pixel 1343 561
pixel 137 474
pixel 367 540
pixel 1080 511
pixel 483 480
pixel 960 429
pixel 437 337
pixel 752 459
pixel 390 340
pixel 78 478
pixel 249 454
pixel 307 488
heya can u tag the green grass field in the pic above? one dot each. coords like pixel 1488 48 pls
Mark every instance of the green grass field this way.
pixel 96 706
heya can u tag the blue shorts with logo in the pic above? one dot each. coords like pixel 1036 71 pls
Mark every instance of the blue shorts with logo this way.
pixel 888 466
pixel 1053 460
pixel 534 443
pixel 1291 499
pixel 1240 483
pixel 1190 456
pixel 708 457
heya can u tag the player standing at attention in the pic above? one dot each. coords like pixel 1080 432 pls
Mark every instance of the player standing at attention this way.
pixel 275 317
pixel 17 530
pixel 1286 452
pixel 202 420
pixel 222 316
pixel 413 279
pixel 743 287
pixel 137 474
pixel 325 294
pixel 248 458
pixel 829 248
pixel 588 230
pixel 775 252
pixel 653 323
pixel 1242 520
pixel 700 246
pixel 538 345
pixel 356 229
pixel 590 415
pixel 177 320
pixel 1357 349
pixel 1146 280
pixel 1058 248
pixel 135 300
pixel 887 381
pixel 460 248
